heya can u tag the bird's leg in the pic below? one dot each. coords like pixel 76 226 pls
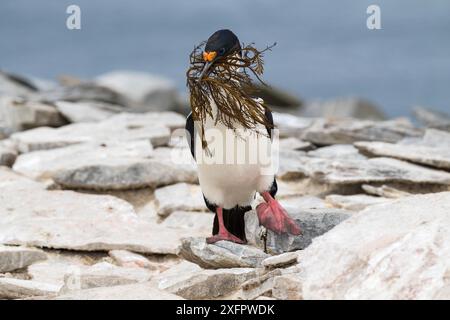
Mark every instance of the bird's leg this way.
pixel 274 217
pixel 223 234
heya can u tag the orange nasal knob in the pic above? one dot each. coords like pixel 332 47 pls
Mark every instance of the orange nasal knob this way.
pixel 209 56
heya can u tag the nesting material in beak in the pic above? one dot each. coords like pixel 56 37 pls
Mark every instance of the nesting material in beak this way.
pixel 228 84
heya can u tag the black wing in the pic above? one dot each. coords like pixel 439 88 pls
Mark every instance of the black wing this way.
pixel 190 129
pixel 269 118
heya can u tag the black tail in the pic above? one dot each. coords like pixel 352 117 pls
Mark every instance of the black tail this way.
pixel 234 221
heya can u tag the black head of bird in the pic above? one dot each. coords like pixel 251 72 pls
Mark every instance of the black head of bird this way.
pixel 221 44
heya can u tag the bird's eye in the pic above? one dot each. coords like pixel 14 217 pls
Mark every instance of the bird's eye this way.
pixel 222 51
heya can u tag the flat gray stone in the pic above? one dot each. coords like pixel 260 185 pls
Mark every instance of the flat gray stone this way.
pixel 76 221
pixel 92 111
pixel 17 114
pixel 396 250
pixel 128 259
pixel 13 258
pixel 382 170
pixel 206 284
pixel 103 274
pixel 105 166
pixel 433 150
pixel 432 118
pixel 295 144
pixel 347 131
pixel 337 151
pixel 200 221
pixel 312 222
pixel 343 107
pixel 181 197
pixel 7 156
pixel 385 191
pixel 137 291
pixel 222 254
pixel 153 126
pixel 355 202
pixel 281 260
pixel 11 288
pixel 144 92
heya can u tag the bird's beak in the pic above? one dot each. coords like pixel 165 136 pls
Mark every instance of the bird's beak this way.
pixel 209 58
pixel 205 69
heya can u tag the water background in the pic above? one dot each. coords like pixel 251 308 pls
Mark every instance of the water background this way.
pixel 324 48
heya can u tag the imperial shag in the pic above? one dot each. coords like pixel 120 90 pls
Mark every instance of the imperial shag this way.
pixel 230 187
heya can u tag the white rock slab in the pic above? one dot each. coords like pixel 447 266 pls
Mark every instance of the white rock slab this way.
pixel 346 131
pixel 207 284
pixel 103 274
pixel 11 288
pixel 137 291
pixel 86 111
pixel 402 252
pixel 76 221
pixel 13 258
pixel 153 126
pixel 433 150
pixel 180 196
pixel 354 202
pixel 222 254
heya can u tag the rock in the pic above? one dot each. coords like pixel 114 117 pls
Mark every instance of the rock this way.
pixel 432 118
pixel 402 252
pixel 128 259
pixel 259 286
pixel 287 287
pixel 137 291
pixel 432 150
pixel 337 151
pixel 385 191
pixel 158 170
pixel 355 202
pixel 7 156
pixel 180 196
pixel 347 131
pixel 207 284
pixel 106 166
pixel 300 202
pixel 312 222
pixel 79 91
pixel 289 125
pixel 383 170
pixel 222 254
pixel 200 221
pixel 145 92
pixel 17 114
pixel 122 127
pixel 13 85
pixel 75 221
pixel 13 258
pixel 347 107
pixel 103 275
pixel 11 288
pixel 276 97
pixel 281 260
pixel 103 160
pixel 54 271
pixel 87 111
pixel 292 143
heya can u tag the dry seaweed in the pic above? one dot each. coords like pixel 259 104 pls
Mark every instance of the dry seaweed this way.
pixel 229 84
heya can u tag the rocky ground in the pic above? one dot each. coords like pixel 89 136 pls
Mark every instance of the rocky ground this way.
pixel 93 205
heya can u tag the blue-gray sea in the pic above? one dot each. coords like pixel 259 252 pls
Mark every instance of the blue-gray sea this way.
pixel 324 48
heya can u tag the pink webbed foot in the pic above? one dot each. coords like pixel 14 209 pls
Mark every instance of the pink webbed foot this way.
pixel 223 234
pixel 226 236
pixel 275 218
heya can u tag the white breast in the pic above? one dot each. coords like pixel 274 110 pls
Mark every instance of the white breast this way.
pixel 237 165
